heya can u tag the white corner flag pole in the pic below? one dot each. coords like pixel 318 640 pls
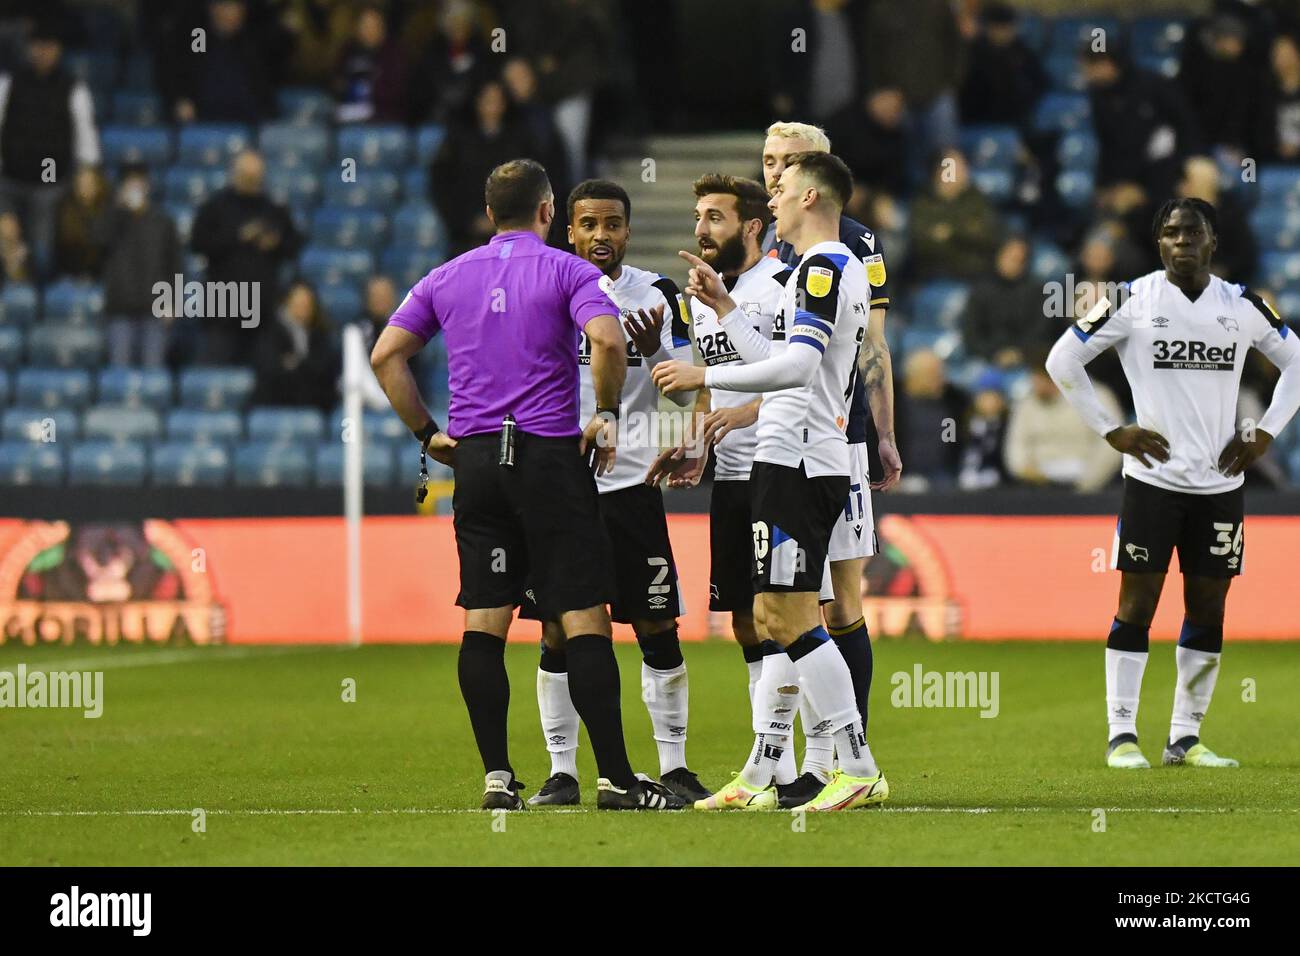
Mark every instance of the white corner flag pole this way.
pixel 354 365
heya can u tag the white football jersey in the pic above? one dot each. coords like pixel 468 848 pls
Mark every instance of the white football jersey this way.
pixel 638 443
pixel 758 292
pixel 825 306
pixel 1183 360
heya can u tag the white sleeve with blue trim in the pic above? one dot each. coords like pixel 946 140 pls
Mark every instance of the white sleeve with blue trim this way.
pixel 1082 342
pixel 1278 343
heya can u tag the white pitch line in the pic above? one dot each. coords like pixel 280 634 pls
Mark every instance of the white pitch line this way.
pixel 433 811
pixel 185 655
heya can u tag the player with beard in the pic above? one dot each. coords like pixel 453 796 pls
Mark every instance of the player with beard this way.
pixel 873 390
pixel 799 481
pixel 632 512
pixel 731 215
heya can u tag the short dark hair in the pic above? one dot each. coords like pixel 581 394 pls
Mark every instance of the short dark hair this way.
pixel 600 189
pixel 1198 206
pixel 751 197
pixel 828 171
pixel 514 190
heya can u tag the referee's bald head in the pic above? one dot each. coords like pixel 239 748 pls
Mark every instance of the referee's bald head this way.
pixel 515 193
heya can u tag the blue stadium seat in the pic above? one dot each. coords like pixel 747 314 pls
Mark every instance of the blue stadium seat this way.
pixel 65 345
pixel 997 184
pixel 1077 149
pixel 293 186
pixel 944 343
pixel 991 145
pixel 106 463
pixel 131 144
pixel 5 385
pixel 379 145
pixel 1279 186
pixel 1062 111
pixel 1065 72
pixel 202 427
pixel 373 187
pixel 376 464
pixel 1279 269
pixel 304 105
pixel 407 266
pixel 119 423
pixel 22 463
pixel 137 73
pixel 295 145
pixel 1156 36
pixel 939 302
pixel 1075 187
pixel 98 70
pixel 19 304
pixel 381 428
pixel 418 225
pixel 1068 33
pixel 1166 65
pixel 1047 261
pixel 1276 227
pixel 341 303
pixel 348 227
pixel 271 464
pixel 11 346
pixel 52 387
pixel 428 139
pixel 1288 305
pixel 188 465
pixel 40 424
pixel 289 423
pixel 137 108
pixel 211 144
pixel 216 388
pixel 135 387
pixel 323 265
pixel 73 300
pixel 192 184
pixel 415 185
pixel 182 214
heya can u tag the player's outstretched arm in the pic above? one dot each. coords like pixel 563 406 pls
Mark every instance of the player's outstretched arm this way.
pixel 706 285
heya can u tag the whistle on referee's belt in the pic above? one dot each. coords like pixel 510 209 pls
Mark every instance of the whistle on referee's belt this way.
pixel 506 456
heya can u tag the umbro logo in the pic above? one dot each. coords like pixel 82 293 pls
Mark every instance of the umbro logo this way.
pixel 1160 322
pixel 821 728
pixel 1123 712
pixel 1198 715
pixel 677 731
pixel 557 738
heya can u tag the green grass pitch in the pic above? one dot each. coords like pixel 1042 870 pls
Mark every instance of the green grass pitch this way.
pixel 289 773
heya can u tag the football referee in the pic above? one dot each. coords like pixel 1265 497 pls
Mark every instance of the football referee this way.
pixel 525 501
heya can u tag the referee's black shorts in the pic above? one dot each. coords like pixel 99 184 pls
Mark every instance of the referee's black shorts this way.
pixel 731 548
pixel 533 526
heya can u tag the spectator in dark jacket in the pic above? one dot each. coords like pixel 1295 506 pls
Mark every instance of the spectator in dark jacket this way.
pixel 1223 85
pixel 1006 312
pixel 1279 113
pixel 370 81
pixel 246 236
pixel 1004 77
pixel 872 141
pixel 469 152
pixel 296 362
pixel 47 129
pixel 456 63
pixel 929 416
pixel 814 74
pixel 955 229
pixel 80 249
pixel 231 78
pixel 1145 130
pixel 142 249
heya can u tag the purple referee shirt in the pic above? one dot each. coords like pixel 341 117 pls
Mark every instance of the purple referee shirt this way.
pixel 511 313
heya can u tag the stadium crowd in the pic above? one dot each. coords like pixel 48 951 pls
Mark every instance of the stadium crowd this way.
pixel 1001 153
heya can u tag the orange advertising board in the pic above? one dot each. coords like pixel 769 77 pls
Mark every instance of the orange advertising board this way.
pixel 283 580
